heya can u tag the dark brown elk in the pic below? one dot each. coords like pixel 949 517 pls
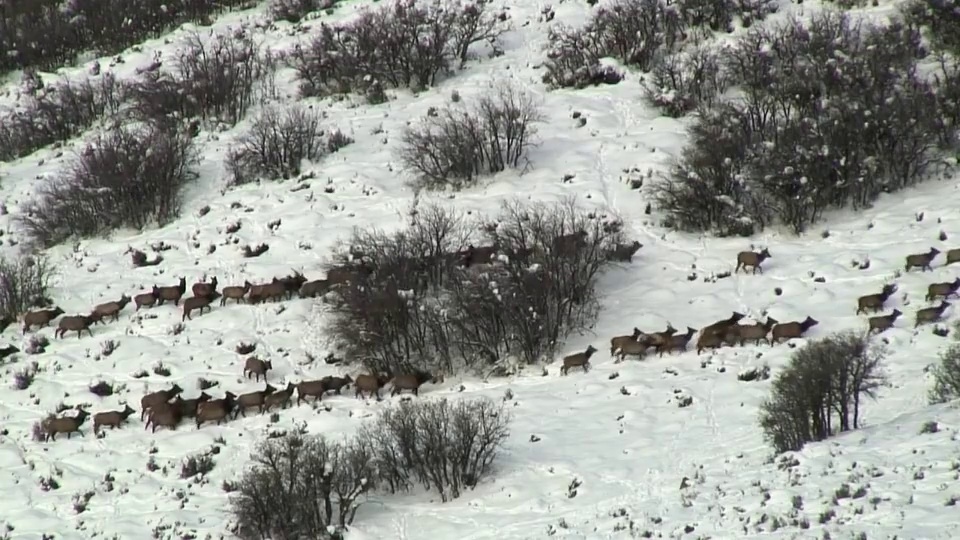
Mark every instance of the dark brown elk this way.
pixel 953 255
pixel 755 332
pixel 945 290
pixel 371 384
pixel 656 339
pixel 253 399
pixel 111 418
pixel 155 398
pixel 882 323
pixel 412 381
pixel 636 348
pixel 568 245
pixel 275 290
pixel 930 314
pixel 619 341
pixel 173 293
pixel 205 289
pixel 314 389
pixel 163 415
pixel 792 329
pixel 40 318
pixel 335 384
pixel 52 425
pixel 921 260
pixel 720 327
pixel 188 407
pixel 75 323
pixel 751 259
pixel 197 302
pixel 256 366
pixel 235 292
pixel 148 299
pixel 874 302
pixel 677 343
pixel 338 275
pixel 216 409
pixel 709 340
pixel 477 255
pixel 624 252
pixel 315 288
pixel 280 397
pixel 581 360
pixel 292 284
pixel 112 309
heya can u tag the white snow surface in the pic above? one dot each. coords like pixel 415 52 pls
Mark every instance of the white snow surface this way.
pixel 629 450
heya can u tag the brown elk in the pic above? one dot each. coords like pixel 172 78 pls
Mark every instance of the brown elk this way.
pixel 720 327
pixel 930 314
pixel 148 299
pixel 412 381
pixel 677 343
pixel 953 255
pixel 656 339
pixel 370 384
pixel 253 399
pixel 581 360
pixel 335 384
pixel 921 260
pixel 173 293
pixel 945 290
pixel 111 418
pixel 314 389
pixel 792 329
pixel 624 252
pixel 155 398
pixel 631 348
pixel 292 284
pixel 275 290
pixel 163 415
pixel 338 275
pixel 477 255
pixel 567 245
pixel 619 341
pixel 75 323
pixel 40 318
pixel 756 332
pixel 216 409
pixel 882 323
pixel 235 292
pixel 280 397
pixel 751 259
pixel 709 340
pixel 197 302
pixel 205 289
pixel 315 288
pixel 52 425
pixel 258 367
pixel 111 309
pixel 874 302
pixel 188 407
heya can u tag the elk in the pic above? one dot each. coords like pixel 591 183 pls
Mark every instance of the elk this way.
pixel 292 284
pixel 624 252
pixel 148 299
pixel 720 327
pixel 163 414
pixel 256 399
pixel 335 384
pixel 75 323
pixel 188 407
pixel 567 245
pixel 315 288
pixel 709 340
pixel 197 302
pixel 631 348
pixel 882 323
pixel 953 256
pixel 111 418
pixel 677 343
pixel 656 339
pixel 280 397
pixel 370 384
pixel 215 409
pixel 52 425
pixel 930 314
pixel 235 292
pixel 40 318
pixel 173 293
pixel 581 359
pixel 792 329
pixel 756 332
pixel 477 255
pixel 112 309
pixel 338 275
pixel 751 259
pixel 411 381
pixel 921 260
pixel 874 302
pixel 255 366
pixel 155 398
pixel 205 289
pixel 946 289
pixel 315 389
pixel 619 341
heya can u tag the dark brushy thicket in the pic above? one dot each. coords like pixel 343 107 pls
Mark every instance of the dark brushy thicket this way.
pixel 215 79
pixel 278 142
pixel 56 112
pixel 295 11
pixel 456 145
pixel 946 376
pixel 24 284
pixel 126 177
pixel 386 46
pixel 832 113
pixel 417 308
pixel 49 34
pixel 821 391
pixel 304 486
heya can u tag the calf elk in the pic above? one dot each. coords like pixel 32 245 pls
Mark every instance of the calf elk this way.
pixel 882 323
pixel 792 329
pixel 148 299
pixel 751 259
pixel 173 293
pixel 581 360
pixel 196 302
pixel 111 418
pixel 235 292
pixel 111 309
pixel 256 366
pixel 874 302
pixel 921 260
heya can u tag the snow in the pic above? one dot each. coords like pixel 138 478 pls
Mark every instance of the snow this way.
pixel 617 431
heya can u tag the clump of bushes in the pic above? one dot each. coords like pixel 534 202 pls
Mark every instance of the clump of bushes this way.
pixel 296 10
pixel 946 376
pixel 24 284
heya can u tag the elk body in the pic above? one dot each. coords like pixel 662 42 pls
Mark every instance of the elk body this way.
pixel 306 389
pixel 624 252
pixel 196 302
pixel 709 340
pixel 567 245
pixel 792 329
pixel 945 290
pixel 188 407
pixel 235 292
pixel 148 299
pixel 163 415
pixel 751 259
pixel 882 323
pixel 921 260
pixel 253 399
pixel 677 343
pixel 201 289
pixel 315 288
pixel 953 256
pixel 215 409
pixel 173 293
pixel 156 398
pixel 371 384
pixel 256 366
pixel 756 332
pixel 75 323
pixel 720 327
pixel 619 341
pixel 581 360
pixel 411 381
pixel 40 318
pixel 335 384
pixel 280 397
pixel 930 314
pixel 292 284
pixel 631 348
pixel 66 424
pixel 111 418
pixel 111 309
pixel 874 302
pixel 657 339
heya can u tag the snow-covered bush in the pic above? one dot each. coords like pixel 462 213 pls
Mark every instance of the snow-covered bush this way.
pixel 946 376
pixel 454 146
pixel 125 177
pixel 686 80
pixel 295 10
pixel 24 284
pixel 940 21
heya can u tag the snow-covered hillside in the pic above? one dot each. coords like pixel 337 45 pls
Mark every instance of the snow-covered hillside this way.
pixel 596 455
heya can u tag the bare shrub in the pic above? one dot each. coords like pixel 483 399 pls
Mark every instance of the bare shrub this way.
pixel 456 146
pixel 197 464
pixel 102 389
pixel 446 446
pixel 301 486
pixel 686 80
pixel 24 284
pixel 823 384
pixel 277 144
pixel 939 19
pixel 386 45
pixel 23 378
pixel 946 377
pixel 126 177
pixel 294 11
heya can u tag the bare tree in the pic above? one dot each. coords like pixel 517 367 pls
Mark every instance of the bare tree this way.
pixel 946 376
pixel 686 80
pixel 24 284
